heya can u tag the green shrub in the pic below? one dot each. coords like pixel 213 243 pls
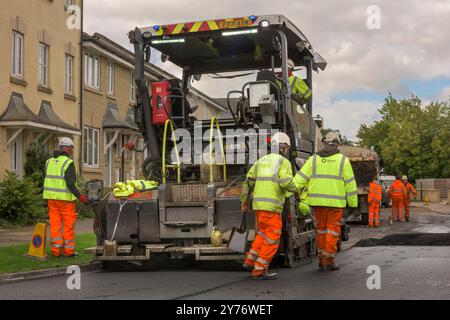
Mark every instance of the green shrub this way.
pixel 34 166
pixel 20 201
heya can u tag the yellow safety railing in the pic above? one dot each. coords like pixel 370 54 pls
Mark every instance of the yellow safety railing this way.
pixel 211 161
pixel 164 166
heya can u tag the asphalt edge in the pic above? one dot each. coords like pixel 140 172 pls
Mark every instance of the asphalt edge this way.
pixel 45 273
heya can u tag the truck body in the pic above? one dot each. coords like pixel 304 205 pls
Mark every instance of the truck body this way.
pixel 194 198
pixel 365 166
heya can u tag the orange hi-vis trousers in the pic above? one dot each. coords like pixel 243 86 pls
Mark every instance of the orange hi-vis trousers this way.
pixel 328 230
pixel 63 216
pixel 269 227
pixel 407 205
pixel 374 214
pixel 397 208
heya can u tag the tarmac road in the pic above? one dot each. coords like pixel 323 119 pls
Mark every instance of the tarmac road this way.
pixel 407 272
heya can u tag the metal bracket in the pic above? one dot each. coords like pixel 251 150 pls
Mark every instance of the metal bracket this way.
pixel 113 140
pixel 7 142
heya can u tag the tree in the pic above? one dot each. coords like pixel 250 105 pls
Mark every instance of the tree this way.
pixel 411 138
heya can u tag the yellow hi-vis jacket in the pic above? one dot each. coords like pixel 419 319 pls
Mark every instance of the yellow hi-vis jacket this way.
pixel 269 179
pixel 299 88
pixel 142 185
pixel 330 181
pixel 55 186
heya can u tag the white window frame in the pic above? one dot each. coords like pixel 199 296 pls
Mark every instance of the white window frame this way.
pixel 111 78
pixel 92 65
pixel 17 54
pixel 91 147
pixel 132 88
pixel 68 87
pixel 43 64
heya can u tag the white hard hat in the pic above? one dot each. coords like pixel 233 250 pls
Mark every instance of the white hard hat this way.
pixel 404 178
pixel 65 142
pixel 281 137
pixel 290 64
pixel 332 137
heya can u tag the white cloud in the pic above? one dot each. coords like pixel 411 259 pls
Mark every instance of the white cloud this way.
pixel 411 45
pixel 347 116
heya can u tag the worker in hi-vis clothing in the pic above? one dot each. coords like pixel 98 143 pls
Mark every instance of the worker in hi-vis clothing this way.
pixel 268 180
pixel 397 192
pixel 61 191
pixel 374 198
pixel 407 201
pixel 299 88
pixel 328 175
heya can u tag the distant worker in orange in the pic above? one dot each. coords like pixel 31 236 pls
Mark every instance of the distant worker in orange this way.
pixel 407 202
pixel 397 192
pixel 374 198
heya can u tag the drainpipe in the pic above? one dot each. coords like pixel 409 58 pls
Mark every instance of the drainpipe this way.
pixel 80 162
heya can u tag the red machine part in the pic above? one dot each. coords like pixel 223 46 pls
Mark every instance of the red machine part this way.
pixel 160 99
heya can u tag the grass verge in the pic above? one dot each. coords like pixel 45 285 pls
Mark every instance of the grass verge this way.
pixel 12 259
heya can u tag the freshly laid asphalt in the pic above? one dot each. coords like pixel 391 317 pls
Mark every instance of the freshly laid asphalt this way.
pixel 419 271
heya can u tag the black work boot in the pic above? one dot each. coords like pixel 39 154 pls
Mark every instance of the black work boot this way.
pixel 266 276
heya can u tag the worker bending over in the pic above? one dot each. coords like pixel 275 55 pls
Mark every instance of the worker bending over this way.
pixel 397 192
pixel 268 179
pixel 61 191
pixel 328 175
pixel 374 198
pixel 407 202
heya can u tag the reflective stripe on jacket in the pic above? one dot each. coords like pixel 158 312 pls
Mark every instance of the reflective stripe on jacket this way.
pixel 55 186
pixel 397 189
pixel 375 193
pixel 142 185
pixel 269 179
pixel 299 87
pixel 330 181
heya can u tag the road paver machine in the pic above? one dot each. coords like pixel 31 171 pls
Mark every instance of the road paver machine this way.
pixel 196 197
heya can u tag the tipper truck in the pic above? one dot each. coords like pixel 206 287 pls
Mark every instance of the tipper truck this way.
pixel 365 166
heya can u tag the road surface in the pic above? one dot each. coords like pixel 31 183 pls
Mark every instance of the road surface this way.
pixel 406 272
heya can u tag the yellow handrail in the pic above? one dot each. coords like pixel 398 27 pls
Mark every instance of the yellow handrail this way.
pixel 164 166
pixel 211 162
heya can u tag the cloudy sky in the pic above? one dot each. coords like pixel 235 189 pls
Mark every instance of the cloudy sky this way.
pixel 409 54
